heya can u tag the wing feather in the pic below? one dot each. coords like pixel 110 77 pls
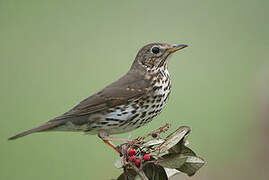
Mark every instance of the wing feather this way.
pixel 130 87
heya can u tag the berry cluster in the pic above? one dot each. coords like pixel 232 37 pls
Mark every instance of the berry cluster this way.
pixel 138 157
pixel 138 152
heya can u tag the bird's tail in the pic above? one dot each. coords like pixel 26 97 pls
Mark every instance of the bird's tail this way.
pixel 47 126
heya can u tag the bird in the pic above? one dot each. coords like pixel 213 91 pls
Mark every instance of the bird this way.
pixel 126 104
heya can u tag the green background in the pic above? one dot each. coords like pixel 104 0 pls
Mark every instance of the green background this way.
pixel 55 53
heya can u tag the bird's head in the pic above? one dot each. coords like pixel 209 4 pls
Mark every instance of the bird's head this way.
pixel 155 55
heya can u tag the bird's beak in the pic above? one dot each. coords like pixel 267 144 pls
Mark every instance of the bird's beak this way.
pixel 176 47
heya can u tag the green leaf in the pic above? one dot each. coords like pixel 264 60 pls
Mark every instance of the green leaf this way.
pixel 177 136
pixel 155 172
pixel 181 157
pixel 184 163
pixel 171 172
pixel 191 165
pixel 172 161
pixel 153 142
pixel 180 148
pixel 131 174
pixel 152 171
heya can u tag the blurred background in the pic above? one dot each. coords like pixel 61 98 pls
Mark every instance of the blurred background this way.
pixel 55 53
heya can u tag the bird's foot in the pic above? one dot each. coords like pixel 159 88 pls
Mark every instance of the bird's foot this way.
pixel 106 138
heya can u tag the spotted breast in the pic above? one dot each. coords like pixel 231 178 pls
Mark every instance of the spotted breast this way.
pixel 135 114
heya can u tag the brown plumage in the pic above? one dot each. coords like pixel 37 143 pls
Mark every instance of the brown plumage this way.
pixel 124 105
pixel 41 128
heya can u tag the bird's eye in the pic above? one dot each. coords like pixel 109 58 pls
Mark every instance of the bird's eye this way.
pixel 155 50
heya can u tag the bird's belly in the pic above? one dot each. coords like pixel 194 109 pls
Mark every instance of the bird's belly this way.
pixel 128 117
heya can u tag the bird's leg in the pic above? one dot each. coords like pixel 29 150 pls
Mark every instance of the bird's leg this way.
pixel 104 136
pixel 111 145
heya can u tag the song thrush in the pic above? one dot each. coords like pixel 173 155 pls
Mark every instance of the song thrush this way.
pixel 129 103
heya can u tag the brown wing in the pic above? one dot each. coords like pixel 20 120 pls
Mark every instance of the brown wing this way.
pixel 131 86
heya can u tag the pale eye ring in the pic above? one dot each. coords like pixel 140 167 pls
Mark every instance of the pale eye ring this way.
pixel 155 50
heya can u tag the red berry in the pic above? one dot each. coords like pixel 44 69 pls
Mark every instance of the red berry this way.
pixel 154 135
pixel 137 162
pixel 131 152
pixel 146 157
pixel 132 159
